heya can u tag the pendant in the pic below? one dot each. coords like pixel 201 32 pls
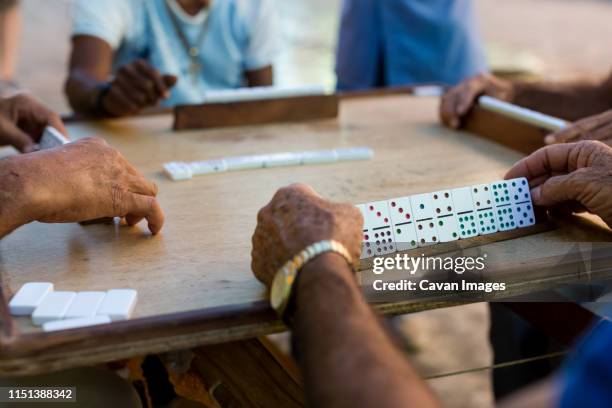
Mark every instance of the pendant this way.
pixel 194 69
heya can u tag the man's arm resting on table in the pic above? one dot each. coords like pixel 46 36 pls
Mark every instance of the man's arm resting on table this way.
pixel 570 101
pixel 345 355
pixel 13 197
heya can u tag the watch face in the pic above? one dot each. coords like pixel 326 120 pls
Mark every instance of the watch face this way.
pixel 279 292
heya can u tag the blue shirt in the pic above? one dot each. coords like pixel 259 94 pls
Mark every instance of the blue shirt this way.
pixel 586 379
pixel 403 42
pixel 241 35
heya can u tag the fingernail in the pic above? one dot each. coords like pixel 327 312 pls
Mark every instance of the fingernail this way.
pixel 454 123
pixel 549 139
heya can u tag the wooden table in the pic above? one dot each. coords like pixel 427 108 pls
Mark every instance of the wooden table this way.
pixel 194 281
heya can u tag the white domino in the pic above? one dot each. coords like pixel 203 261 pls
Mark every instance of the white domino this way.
pixel 118 304
pixel 85 304
pixel 52 138
pixel 29 297
pixel 261 93
pixel 465 212
pixel 208 167
pixel 53 307
pixel 245 162
pixel 282 159
pixel 57 325
pixel 319 157
pixel 178 171
pixel 354 153
pixel 445 216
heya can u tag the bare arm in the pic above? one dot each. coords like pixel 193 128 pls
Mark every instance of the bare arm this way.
pixel 346 357
pixel 260 77
pixel 91 91
pixel 90 68
pixel 571 101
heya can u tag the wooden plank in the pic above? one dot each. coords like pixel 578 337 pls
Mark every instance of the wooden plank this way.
pixel 291 109
pixel 509 132
pixel 247 373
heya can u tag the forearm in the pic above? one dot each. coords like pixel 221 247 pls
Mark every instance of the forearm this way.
pixel 345 356
pixel 570 101
pixel 83 92
pixel 13 201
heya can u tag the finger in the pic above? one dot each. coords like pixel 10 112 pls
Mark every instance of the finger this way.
pixel 138 89
pixel 170 80
pixel 447 113
pixel 13 136
pixel 117 103
pixel 558 158
pixel 133 219
pixel 152 74
pixel 467 98
pixel 557 190
pixel 569 134
pixel 145 207
pixel 139 185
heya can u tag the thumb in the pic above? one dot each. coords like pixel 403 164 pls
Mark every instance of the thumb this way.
pixel 556 190
pixel 12 135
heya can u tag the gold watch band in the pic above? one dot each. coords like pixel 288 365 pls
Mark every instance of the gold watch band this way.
pixel 282 285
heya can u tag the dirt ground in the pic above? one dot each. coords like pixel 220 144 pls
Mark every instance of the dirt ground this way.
pixel 556 39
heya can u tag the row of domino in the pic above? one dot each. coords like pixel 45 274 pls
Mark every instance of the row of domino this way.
pixel 67 310
pixel 408 222
pixel 185 171
pixel 261 93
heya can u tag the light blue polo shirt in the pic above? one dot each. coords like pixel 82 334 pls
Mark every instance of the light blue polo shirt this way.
pixel 405 42
pixel 241 36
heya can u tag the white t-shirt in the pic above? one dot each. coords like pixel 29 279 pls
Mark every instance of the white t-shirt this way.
pixel 241 35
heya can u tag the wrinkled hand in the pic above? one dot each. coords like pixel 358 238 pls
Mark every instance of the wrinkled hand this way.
pixel 576 175
pixel 23 119
pixel 295 218
pixel 597 127
pixel 136 86
pixel 458 101
pixel 87 180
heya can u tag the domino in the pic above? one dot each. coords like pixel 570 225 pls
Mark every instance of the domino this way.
pixel 262 93
pixel 178 171
pixel 57 325
pixel 52 138
pixel 29 297
pixel 523 114
pixel 405 223
pixel 118 304
pixel 354 153
pixel 208 167
pixel 428 90
pixel 319 157
pixel 282 159
pixel 53 307
pixel 245 162
pixel 85 304
pixel 464 212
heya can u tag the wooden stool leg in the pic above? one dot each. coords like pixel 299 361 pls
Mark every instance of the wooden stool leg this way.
pixel 249 373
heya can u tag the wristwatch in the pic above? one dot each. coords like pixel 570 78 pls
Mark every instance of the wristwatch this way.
pixel 282 284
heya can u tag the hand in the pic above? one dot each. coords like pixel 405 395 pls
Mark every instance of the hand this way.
pixel 82 181
pixel 597 127
pixel 569 174
pixel 23 119
pixel 136 86
pixel 458 101
pixel 295 218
